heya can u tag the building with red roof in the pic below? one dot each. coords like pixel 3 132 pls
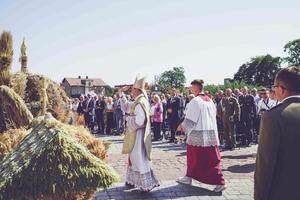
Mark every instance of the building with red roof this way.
pixel 74 87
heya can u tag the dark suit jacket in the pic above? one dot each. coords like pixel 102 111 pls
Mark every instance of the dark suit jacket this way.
pixel 248 107
pixel 80 107
pixel 174 104
pixel 90 106
pixel 100 107
pixel 277 171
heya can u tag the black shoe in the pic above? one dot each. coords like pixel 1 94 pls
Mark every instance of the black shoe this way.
pixel 170 141
pixel 227 147
pixel 129 185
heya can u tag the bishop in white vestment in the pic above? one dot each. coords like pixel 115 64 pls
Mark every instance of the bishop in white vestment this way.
pixel 137 140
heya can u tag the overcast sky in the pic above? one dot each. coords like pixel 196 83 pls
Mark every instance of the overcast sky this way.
pixel 116 40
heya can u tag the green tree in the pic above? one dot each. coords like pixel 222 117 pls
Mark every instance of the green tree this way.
pixel 172 78
pixel 213 88
pixel 6 57
pixel 293 49
pixel 261 70
pixel 232 84
pixel 110 91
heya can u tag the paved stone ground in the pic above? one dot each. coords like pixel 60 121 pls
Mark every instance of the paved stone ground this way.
pixel 169 163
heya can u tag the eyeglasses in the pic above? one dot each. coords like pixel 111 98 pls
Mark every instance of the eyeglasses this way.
pixel 263 93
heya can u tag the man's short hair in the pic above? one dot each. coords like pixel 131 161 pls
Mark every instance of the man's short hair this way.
pixel 198 82
pixel 263 89
pixel 289 78
pixel 254 90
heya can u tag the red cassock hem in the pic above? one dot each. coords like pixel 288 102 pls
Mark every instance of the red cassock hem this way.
pixel 203 164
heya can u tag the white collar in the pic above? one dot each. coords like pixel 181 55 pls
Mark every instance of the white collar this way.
pixel 138 96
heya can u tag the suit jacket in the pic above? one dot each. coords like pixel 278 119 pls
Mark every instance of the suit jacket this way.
pixel 174 104
pixel 248 107
pixel 117 108
pixel 278 160
pixel 90 106
pixel 100 107
pixel 80 107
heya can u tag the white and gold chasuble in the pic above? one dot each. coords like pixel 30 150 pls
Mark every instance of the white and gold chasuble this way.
pixel 139 171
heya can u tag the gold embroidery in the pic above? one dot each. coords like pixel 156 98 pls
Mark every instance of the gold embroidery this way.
pixel 129 138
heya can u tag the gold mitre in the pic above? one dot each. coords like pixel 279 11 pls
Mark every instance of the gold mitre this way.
pixel 140 84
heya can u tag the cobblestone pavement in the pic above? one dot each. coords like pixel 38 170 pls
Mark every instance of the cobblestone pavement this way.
pixel 169 163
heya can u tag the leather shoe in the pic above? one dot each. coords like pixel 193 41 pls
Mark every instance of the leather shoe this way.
pixel 129 185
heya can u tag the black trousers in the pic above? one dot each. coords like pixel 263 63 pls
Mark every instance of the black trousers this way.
pixel 157 130
pixel 100 122
pixel 173 122
pixel 248 131
pixel 89 121
pixel 110 122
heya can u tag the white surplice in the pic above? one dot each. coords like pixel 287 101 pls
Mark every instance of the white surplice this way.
pixel 139 171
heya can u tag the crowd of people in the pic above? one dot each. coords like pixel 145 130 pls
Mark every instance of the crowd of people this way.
pixel 104 112
pixel 207 121
pixel 238 114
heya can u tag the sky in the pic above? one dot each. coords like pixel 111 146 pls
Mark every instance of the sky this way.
pixel 116 40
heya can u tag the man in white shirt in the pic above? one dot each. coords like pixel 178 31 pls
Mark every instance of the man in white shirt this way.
pixel 265 103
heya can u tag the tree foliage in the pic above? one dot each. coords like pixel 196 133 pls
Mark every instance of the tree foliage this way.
pixel 232 84
pixel 110 91
pixel 172 78
pixel 6 57
pixel 293 49
pixel 261 70
pixel 213 88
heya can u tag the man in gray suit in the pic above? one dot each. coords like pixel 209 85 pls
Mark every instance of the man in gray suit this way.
pixel 278 161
